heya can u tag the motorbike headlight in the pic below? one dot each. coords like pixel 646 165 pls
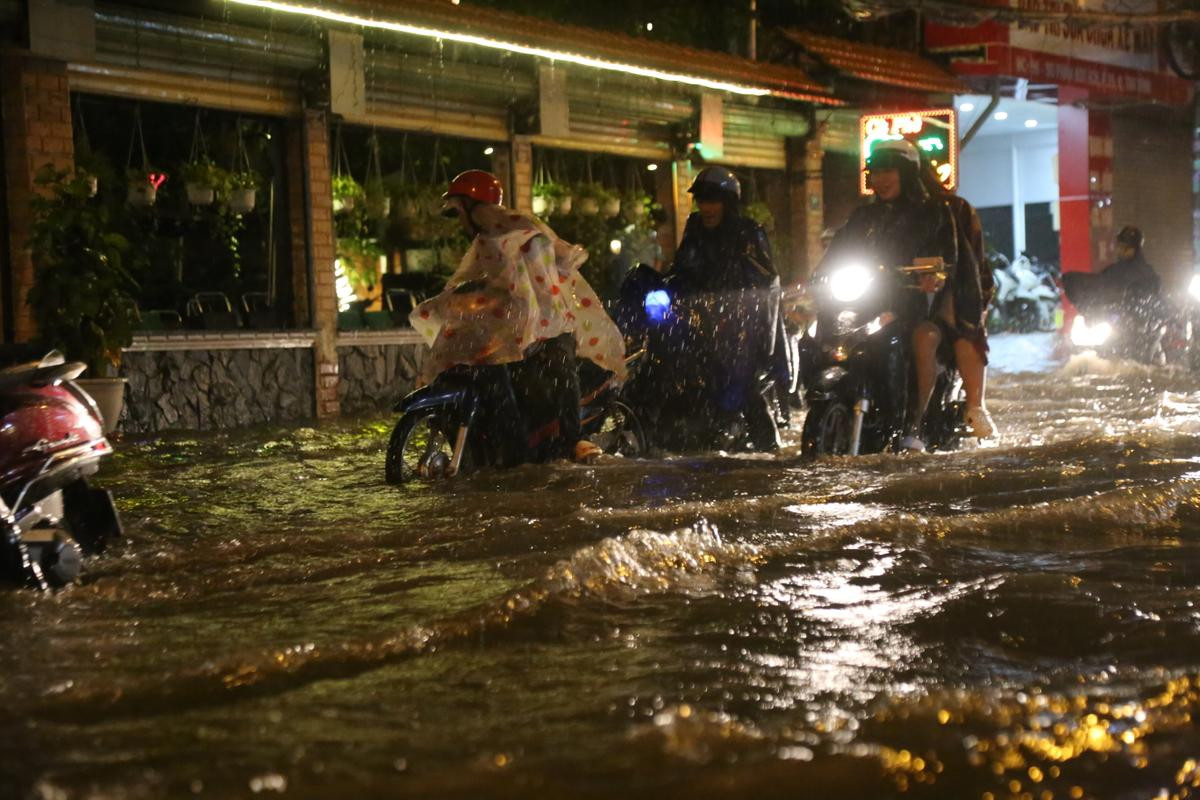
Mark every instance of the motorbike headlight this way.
pixel 1085 335
pixel 849 283
pixel 812 329
pixel 1194 287
pixel 657 305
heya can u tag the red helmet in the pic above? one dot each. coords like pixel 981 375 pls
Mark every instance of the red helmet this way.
pixel 477 185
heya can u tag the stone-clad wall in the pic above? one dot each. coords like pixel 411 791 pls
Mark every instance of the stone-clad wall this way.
pixel 374 377
pixel 211 389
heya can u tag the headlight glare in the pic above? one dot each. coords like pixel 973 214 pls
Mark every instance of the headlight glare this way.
pixel 849 283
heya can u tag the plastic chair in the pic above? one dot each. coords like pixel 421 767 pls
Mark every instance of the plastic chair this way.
pixel 212 310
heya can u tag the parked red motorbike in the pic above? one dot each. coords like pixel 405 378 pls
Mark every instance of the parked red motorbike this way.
pixel 51 440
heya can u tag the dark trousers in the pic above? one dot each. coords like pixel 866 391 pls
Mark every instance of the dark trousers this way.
pixel 546 386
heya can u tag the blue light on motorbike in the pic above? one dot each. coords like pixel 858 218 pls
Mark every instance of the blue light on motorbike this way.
pixel 849 283
pixel 657 305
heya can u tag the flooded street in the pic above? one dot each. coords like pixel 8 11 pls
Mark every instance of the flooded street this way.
pixel 1021 620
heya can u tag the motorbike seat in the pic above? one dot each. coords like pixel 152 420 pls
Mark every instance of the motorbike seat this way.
pixel 36 374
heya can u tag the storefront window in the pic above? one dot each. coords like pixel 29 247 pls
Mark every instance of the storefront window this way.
pixel 200 195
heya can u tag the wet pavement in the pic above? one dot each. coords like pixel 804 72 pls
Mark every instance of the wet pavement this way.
pixel 1017 620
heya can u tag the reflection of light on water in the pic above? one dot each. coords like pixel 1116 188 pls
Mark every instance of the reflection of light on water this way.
pixel 838 514
pixel 862 624
pixel 1045 744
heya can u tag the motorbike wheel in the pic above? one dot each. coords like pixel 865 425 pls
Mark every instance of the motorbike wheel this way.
pixel 827 429
pixel 418 447
pixel 621 433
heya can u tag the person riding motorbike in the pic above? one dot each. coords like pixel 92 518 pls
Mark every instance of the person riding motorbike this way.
pixel 517 299
pixel 1128 289
pixel 902 225
pixel 970 349
pixel 722 272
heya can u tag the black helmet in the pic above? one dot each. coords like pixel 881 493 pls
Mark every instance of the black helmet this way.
pixel 1131 236
pixel 716 182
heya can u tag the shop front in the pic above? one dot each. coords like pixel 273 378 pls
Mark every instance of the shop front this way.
pixel 349 123
pixel 1074 132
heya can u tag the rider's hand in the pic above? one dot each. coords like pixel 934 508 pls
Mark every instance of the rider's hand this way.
pixel 932 282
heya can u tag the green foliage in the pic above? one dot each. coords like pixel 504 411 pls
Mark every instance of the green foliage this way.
pixel 345 187
pixel 83 296
pixel 204 173
pixel 243 180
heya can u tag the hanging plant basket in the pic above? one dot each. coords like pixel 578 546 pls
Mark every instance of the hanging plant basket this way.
pixel 565 203
pixel 93 184
pixel 589 206
pixel 611 207
pixel 200 194
pixel 142 193
pixel 241 201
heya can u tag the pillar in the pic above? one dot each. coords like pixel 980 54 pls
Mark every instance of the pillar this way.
pixel 682 176
pixel 806 192
pixel 1074 189
pixel 314 250
pixel 35 108
pixel 522 174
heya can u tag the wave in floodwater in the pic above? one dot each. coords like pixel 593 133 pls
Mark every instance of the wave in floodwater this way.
pixel 1015 619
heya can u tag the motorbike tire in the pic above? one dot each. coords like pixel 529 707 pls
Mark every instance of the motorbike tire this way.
pixel 622 432
pixel 827 428
pixel 416 428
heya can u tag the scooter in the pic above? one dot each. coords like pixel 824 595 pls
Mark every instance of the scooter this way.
pixel 678 387
pixel 1026 298
pixel 858 396
pixel 1135 326
pixel 51 441
pixel 464 420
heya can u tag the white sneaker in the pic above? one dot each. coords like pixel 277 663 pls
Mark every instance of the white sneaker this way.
pixel 912 444
pixel 979 422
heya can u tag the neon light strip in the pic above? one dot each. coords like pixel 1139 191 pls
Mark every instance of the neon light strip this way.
pixel 495 44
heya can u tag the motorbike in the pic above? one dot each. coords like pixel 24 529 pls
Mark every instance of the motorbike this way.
pixel 678 386
pixel 1134 326
pixel 465 420
pixel 857 398
pixel 51 442
pixel 1026 298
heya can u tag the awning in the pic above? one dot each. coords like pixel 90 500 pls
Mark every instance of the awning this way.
pixel 438 19
pixel 873 64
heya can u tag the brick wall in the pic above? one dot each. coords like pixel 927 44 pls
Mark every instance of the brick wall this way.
pixel 806 189
pixel 308 143
pixel 35 120
pixel 1152 186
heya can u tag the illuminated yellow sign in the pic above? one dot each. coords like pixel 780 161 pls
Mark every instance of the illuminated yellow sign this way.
pixel 934 133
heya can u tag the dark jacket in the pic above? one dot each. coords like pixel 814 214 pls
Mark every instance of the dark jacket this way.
pixel 897 233
pixel 1128 283
pixel 734 255
pixel 727 275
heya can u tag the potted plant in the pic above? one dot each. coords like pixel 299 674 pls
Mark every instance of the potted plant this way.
pixel 346 192
pixel 610 205
pixel 378 201
pixel 588 197
pixel 546 197
pixel 634 205
pixel 143 191
pixel 83 298
pixel 201 179
pixel 243 189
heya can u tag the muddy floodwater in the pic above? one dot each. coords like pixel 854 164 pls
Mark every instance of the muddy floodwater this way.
pixel 1020 620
